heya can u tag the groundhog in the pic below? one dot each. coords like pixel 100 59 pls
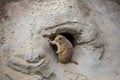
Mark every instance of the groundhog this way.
pixel 64 49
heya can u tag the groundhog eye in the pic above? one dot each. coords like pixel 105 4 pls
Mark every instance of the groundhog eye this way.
pixel 60 38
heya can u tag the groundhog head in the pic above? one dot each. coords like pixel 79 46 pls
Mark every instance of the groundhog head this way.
pixel 60 39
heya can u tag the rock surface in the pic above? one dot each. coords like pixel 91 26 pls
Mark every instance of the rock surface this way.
pixel 92 26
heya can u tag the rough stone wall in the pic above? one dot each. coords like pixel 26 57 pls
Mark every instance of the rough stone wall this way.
pixel 92 26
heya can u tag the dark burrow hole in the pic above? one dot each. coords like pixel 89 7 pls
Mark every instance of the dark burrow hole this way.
pixel 67 35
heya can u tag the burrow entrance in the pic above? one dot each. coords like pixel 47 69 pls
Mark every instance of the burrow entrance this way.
pixel 69 36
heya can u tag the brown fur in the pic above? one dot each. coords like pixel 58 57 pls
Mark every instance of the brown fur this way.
pixel 65 49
